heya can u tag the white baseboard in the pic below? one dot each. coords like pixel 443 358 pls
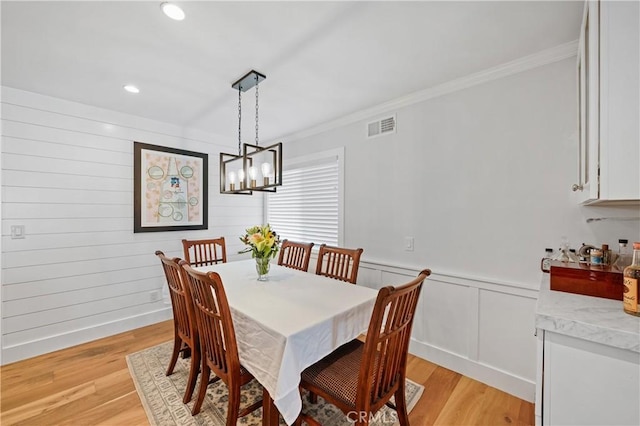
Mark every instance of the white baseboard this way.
pixel 76 337
pixel 509 383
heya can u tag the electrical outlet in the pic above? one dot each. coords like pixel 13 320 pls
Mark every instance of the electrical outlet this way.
pixel 408 243
pixel 154 296
pixel 17 232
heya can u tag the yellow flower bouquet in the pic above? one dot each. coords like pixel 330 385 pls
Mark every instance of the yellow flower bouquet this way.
pixel 263 243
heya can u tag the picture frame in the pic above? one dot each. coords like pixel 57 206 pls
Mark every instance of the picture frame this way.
pixel 170 189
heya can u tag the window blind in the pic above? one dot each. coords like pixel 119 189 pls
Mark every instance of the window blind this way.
pixel 306 207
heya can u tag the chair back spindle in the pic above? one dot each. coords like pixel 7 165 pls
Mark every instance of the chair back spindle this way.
pixel 339 263
pixel 205 252
pixel 295 255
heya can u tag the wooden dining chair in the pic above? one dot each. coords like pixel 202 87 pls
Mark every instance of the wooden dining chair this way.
pixel 185 340
pixel 338 263
pixel 205 252
pixel 295 255
pixel 359 378
pixel 217 342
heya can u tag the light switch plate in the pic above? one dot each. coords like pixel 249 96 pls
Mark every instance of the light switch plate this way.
pixel 408 243
pixel 17 232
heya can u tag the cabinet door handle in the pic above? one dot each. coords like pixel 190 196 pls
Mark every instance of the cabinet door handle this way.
pixel 575 187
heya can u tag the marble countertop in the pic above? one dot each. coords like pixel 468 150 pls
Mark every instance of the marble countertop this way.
pixel 590 318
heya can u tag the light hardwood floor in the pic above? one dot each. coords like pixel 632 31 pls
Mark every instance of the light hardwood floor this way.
pixel 90 384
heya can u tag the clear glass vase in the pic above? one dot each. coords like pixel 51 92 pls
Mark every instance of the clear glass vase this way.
pixel 262 267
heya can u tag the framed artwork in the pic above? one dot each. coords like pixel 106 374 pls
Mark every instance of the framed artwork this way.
pixel 170 191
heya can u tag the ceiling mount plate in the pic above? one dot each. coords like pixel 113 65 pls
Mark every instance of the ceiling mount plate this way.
pixel 249 80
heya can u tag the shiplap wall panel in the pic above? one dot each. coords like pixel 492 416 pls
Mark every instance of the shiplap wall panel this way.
pixel 67 177
pixel 72 223
pixel 14 275
pixel 35 163
pixel 81 125
pixel 24 210
pixel 52 241
pixel 31 131
pixel 235 226
pixel 70 312
pixel 54 286
pixel 59 329
pixel 48 103
pixel 68 196
pixel 62 255
pixel 47 302
pixel 19 178
pixel 21 146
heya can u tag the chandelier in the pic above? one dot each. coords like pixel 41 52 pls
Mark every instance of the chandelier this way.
pixel 254 168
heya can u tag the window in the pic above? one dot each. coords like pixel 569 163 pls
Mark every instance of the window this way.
pixel 308 206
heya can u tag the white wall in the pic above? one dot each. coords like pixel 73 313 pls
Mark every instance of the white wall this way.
pixel 81 273
pixel 481 179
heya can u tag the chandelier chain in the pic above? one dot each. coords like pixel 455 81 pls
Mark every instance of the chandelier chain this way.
pixel 239 119
pixel 257 84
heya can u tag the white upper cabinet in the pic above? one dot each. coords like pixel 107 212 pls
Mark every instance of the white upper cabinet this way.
pixel 608 70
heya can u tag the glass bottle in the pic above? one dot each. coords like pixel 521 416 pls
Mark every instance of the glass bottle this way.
pixel 624 257
pixel 631 275
pixel 606 254
pixel 545 264
pixel 565 254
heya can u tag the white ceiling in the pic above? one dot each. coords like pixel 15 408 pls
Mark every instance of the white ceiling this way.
pixel 323 60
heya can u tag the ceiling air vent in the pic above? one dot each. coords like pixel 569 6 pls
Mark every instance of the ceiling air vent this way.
pixel 381 127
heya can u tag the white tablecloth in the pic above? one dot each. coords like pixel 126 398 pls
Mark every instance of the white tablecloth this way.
pixel 290 322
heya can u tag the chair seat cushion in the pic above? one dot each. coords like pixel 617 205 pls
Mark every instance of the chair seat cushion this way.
pixel 337 373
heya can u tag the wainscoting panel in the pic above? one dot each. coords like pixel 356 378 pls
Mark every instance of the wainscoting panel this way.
pixel 449 304
pixel 477 327
pixel 506 323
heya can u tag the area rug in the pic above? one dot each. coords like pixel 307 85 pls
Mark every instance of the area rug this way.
pixel 161 396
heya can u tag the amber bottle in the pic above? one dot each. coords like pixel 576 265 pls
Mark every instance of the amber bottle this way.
pixel 631 276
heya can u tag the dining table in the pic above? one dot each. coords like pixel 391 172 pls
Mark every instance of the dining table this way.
pixel 287 323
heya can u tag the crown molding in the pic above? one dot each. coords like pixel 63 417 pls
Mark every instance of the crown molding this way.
pixel 544 57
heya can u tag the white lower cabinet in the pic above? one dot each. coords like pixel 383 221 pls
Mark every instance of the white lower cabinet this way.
pixel 585 383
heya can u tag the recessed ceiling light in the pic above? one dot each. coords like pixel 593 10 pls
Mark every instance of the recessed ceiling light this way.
pixel 131 88
pixel 172 11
